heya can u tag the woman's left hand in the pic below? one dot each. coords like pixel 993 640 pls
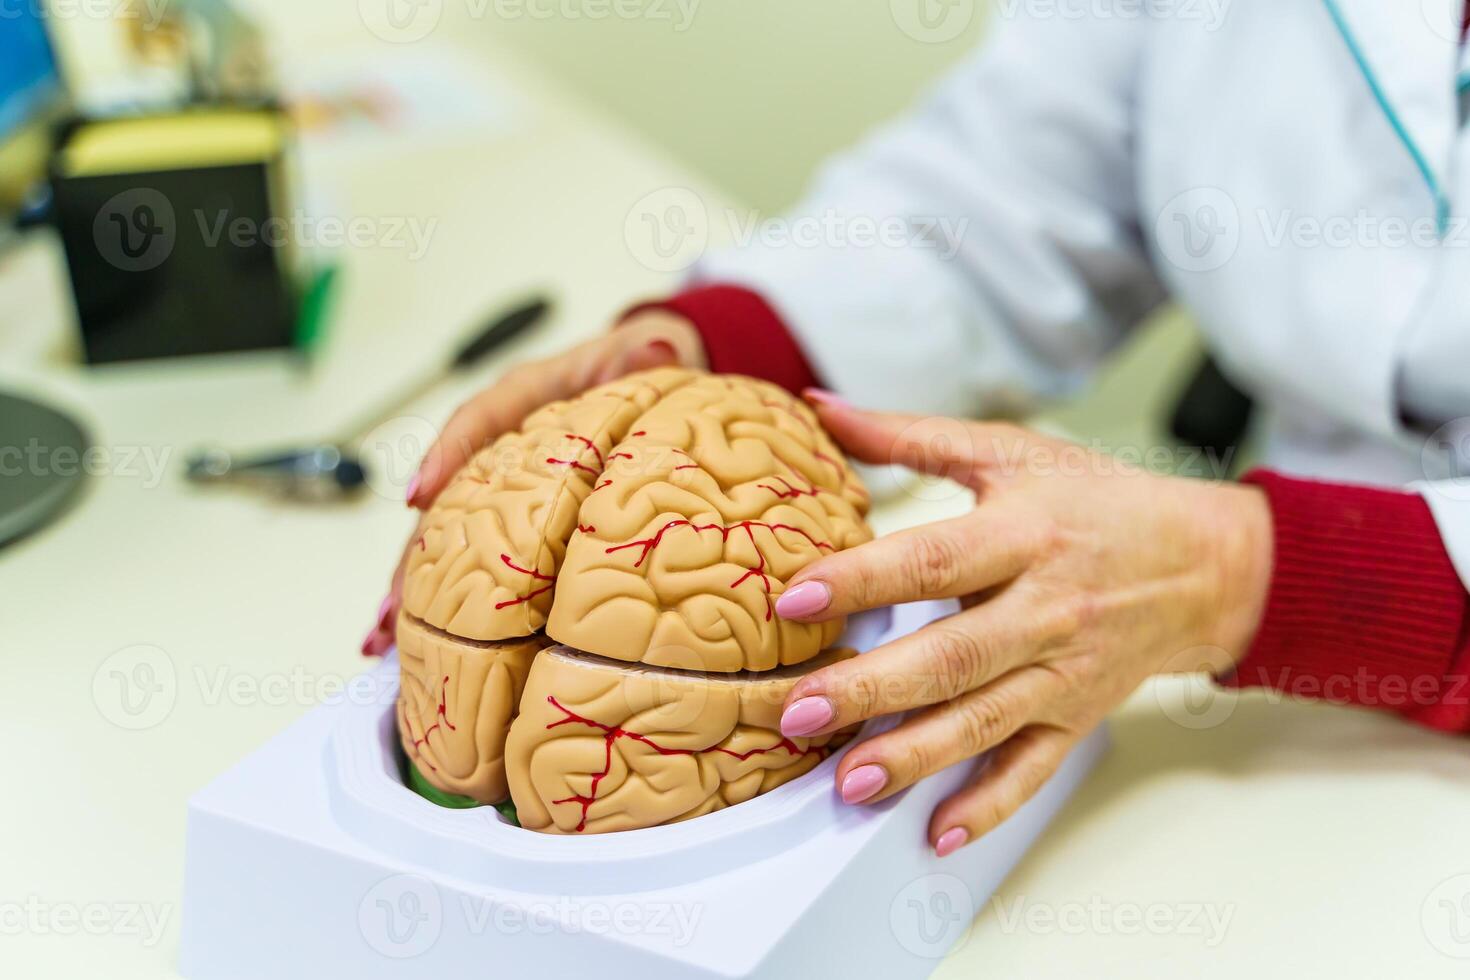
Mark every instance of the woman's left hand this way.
pixel 1078 577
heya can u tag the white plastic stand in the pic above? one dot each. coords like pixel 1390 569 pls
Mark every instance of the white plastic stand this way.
pixel 310 859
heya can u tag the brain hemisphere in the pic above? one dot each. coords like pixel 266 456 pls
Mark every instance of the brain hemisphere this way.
pixel 723 491
pixel 601 747
pixel 492 544
pixel 456 705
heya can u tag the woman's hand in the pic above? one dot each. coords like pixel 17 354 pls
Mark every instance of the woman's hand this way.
pixel 1078 578
pixel 651 339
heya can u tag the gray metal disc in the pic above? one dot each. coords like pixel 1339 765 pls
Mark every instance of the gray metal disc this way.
pixel 41 470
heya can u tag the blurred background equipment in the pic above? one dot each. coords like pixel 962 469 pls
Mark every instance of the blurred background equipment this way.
pixel 177 231
pixel 332 470
pixel 31 100
pixel 40 449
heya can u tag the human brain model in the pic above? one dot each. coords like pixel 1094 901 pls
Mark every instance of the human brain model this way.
pixel 646 527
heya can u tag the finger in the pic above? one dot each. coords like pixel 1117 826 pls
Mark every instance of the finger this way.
pixel 943 735
pixel 945 659
pixel 943 560
pixel 965 452
pixel 644 357
pixel 383 634
pixel 1014 774
pixel 475 424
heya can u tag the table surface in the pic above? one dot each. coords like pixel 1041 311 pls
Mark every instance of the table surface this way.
pixel 1224 836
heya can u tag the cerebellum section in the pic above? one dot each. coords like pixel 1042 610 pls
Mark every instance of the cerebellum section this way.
pixel 648 526
pixel 721 493
pixel 455 705
pixel 485 566
pixel 599 746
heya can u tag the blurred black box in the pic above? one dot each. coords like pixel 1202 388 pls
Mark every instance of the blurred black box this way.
pixel 175 233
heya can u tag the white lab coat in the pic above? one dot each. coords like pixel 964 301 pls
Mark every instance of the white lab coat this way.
pixel 1295 172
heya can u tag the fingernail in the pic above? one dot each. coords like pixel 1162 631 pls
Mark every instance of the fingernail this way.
pixel 413 488
pixel 376 643
pixel 825 398
pixel 951 840
pixel 665 347
pixel 862 783
pixel 806 599
pixel 806 716
pixel 384 609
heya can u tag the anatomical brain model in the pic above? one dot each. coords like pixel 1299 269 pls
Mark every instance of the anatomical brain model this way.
pixel 588 621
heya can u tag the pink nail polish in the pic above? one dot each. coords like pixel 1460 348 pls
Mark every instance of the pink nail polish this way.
pixel 413 488
pixel 806 599
pixel 377 641
pixel 825 398
pixel 384 609
pixel 863 783
pixel 951 840
pixel 806 716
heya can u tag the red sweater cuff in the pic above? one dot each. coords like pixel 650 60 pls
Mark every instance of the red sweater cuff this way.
pixel 742 335
pixel 1364 605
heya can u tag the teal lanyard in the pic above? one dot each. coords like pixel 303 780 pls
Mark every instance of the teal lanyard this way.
pixel 1441 202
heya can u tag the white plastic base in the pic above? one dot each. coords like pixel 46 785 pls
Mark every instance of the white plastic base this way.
pixel 310 859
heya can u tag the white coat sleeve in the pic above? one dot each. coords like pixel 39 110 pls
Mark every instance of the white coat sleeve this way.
pixel 984 250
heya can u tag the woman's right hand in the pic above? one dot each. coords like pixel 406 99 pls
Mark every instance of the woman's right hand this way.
pixel 650 339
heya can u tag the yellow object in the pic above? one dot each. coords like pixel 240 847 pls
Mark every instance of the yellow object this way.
pixel 174 142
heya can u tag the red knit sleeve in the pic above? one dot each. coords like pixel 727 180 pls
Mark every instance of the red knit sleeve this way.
pixel 742 335
pixel 1364 607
